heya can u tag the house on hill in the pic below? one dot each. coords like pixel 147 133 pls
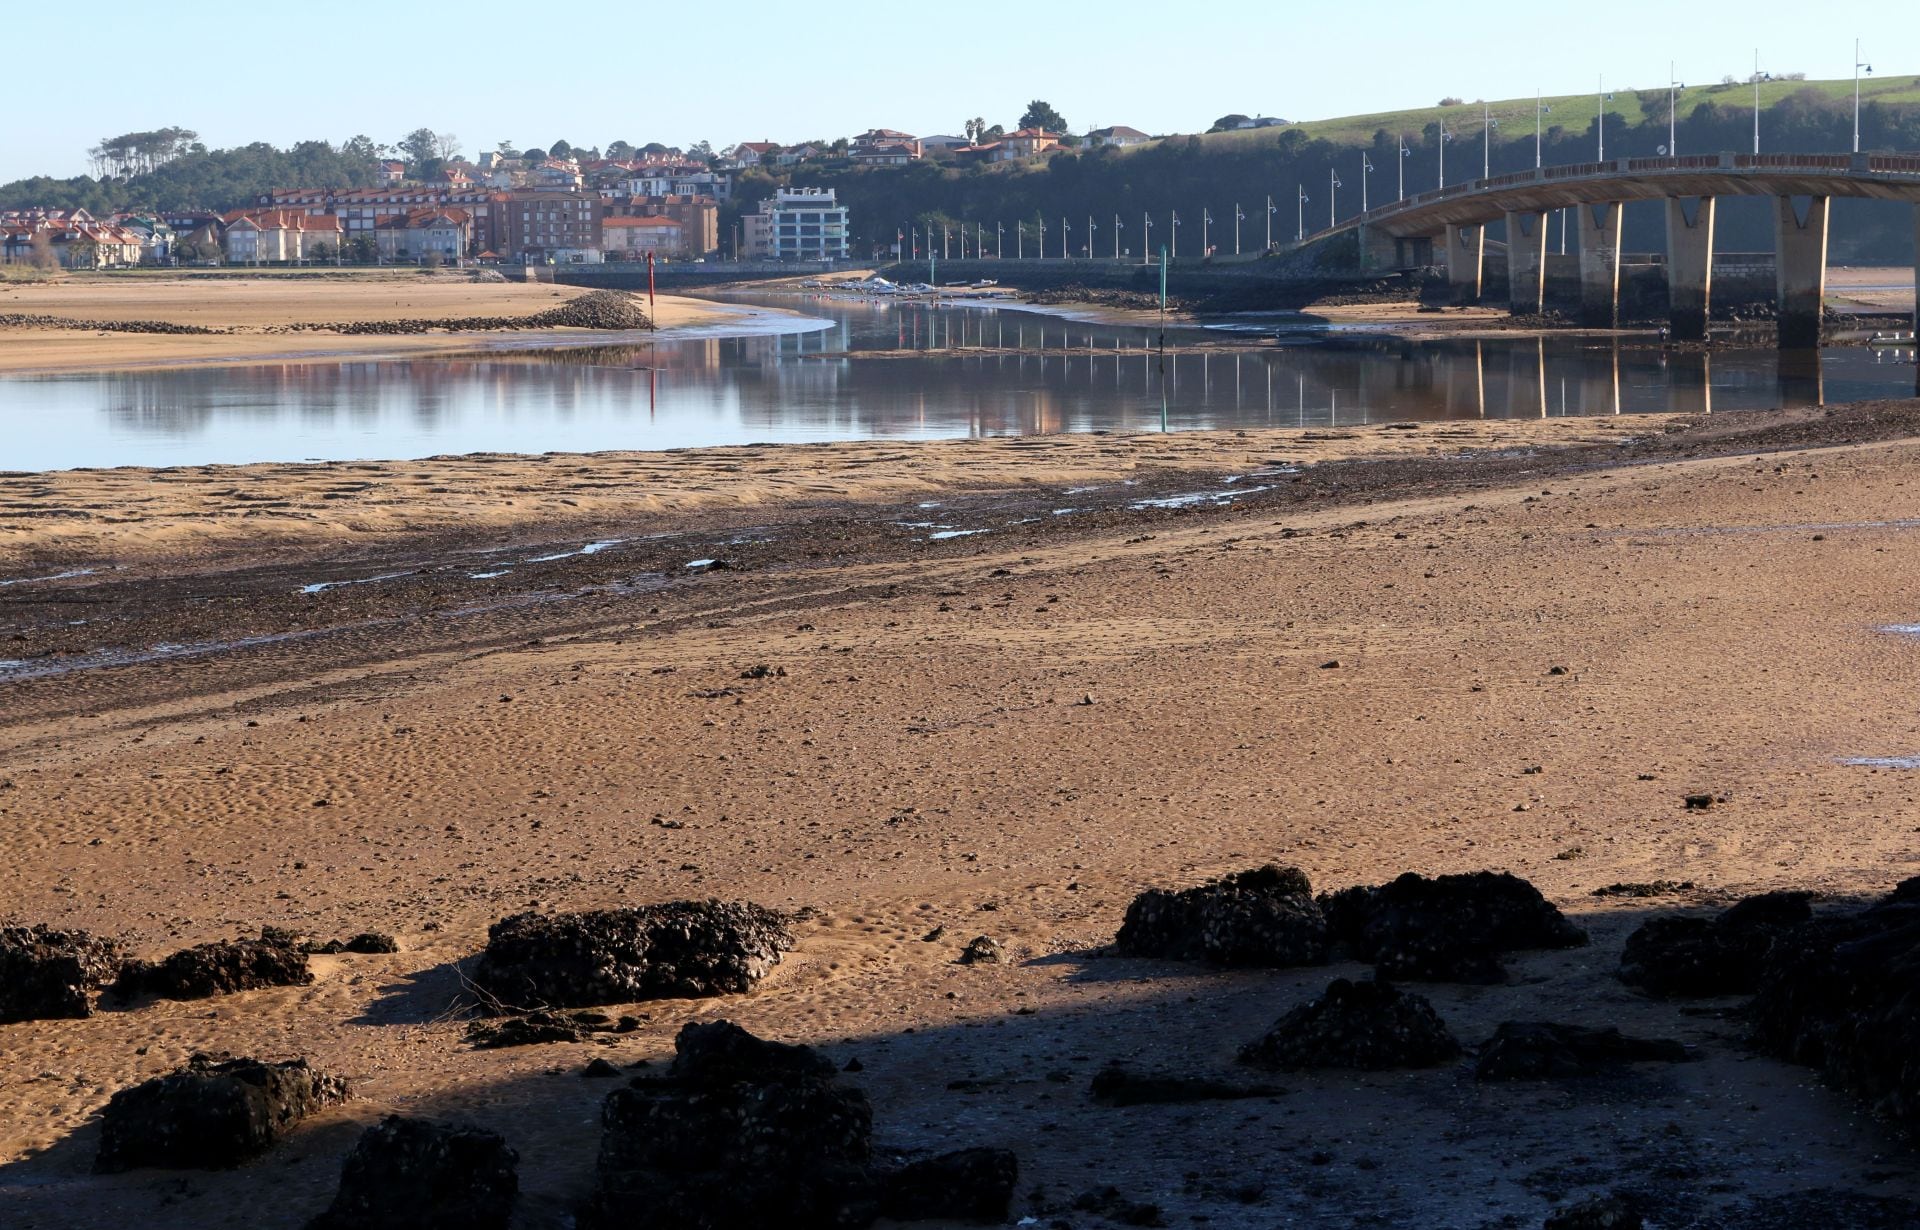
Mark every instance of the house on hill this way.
pixel 392 172
pixel 1119 136
pixel 1024 144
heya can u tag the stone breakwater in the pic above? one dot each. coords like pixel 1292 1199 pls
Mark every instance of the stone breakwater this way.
pixel 34 320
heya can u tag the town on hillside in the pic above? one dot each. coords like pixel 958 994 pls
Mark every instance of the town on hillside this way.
pixel 557 206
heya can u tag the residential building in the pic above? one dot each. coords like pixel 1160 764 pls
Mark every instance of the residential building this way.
pixel 437 234
pixel 551 228
pixel 753 153
pixel 798 154
pixel 895 155
pixel 756 235
pixel 801 224
pixel 685 179
pixel 874 138
pixel 698 217
pixel 392 172
pixel 1024 144
pixel 557 173
pixel 281 236
pixel 1119 136
pixel 360 209
pixel 72 238
pixel 942 144
pixel 635 239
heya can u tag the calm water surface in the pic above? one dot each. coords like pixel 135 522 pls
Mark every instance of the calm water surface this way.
pixel 881 370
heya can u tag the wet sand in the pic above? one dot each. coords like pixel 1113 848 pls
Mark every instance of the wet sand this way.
pixel 1006 733
pixel 251 306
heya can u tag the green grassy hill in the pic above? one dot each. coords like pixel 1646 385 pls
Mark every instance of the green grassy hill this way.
pixel 1574 113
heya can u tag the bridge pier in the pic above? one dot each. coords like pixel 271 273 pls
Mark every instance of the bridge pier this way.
pixel 1800 260
pixel 1600 264
pixel 1689 267
pixel 1379 251
pixel 1803 383
pixel 1466 260
pixel 1526 262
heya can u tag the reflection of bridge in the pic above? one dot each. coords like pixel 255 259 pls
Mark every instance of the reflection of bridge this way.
pixel 1403 234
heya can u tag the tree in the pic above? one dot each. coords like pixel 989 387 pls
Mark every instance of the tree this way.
pixel 534 155
pixel 994 133
pixel 418 146
pixel 361 250
pixel 702 151
pixel 619 150
pixel 40 253
pixel 1228 123
pixel 507 149
pixel 1451 101
pixel 560 149
pixel 446 146
pixel 1041 114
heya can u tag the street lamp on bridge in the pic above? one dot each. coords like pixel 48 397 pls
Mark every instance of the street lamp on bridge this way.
pixel 1857 66
pixel 1300 232
pixel 1758 77
pixel 1674 86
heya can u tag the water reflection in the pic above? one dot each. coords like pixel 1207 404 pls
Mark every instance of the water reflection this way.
pixel 888 370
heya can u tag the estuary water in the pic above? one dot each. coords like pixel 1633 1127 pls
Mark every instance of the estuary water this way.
pixel 859 369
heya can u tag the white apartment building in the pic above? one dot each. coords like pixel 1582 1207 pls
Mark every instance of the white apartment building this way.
pixel 806 224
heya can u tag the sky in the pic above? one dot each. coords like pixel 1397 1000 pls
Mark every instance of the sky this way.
pixel 680 73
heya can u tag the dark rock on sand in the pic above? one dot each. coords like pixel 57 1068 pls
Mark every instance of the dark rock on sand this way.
pixel 1368 1025
pixel 1263 917
pixel 1681 955
pixel 415 1174
pixel 599 1069
pixel 1450 928
pixel 1841 993
pixel 747 1132
pixel 1542 1050
pixel 366 943
pixel 213 1113
pixel 1597 1213
pixel 536 1028
pixel 1644 888
pixel 682 948
pixel 1107 1202
pixel 216 969
pixel 742 1132
pixel 1118 1085
pixel 47 974
pixel 982 950
pixel 966 1185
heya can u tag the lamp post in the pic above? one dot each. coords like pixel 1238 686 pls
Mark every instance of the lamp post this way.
pixel 1146 237
pixel 1674 86
pixel 1857 66
pixel 1366 165
pixel 1206 220
pixel 1065 228
pixel 999 241
pixel 1091 228
pixel 1601 121
pixel 1271 210
pixel 1333 185
pixel 1300 223
pixel 1405 153
pixel 1445 137
pixel 1174 232
pixel 1117 224
pixel 1238 218
pixel 1758 77
pixel 1539 110
pixel 1486 143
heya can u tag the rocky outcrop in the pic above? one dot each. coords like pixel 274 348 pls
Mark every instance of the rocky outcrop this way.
pixel 747 1132
pixel 48 974
pixel 216 969
pixel 214 1113
pixel 1681 955
pixel 1543 1050
pixel 416 1174
pixel 1451 928
pixel 682 948
pixel 1367 1025
pixel 1263 917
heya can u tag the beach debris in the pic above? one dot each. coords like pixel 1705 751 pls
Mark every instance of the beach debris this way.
pixel 1366 1025
pixel 1698 802
pixel 981 950
pixel 1265 916
pixel 47 974
pixel 599 1069
pixel 744 1131
pixel 1608 1212
pixel 1682 955
pixel 220 968
pixel 964 1185
pixel 1838 993
pixel 1118 1085
pixel 1543 1050
pixel 365 943
pixel 418 1174
pixel 216 1112
pixel 681 948
pixel 535 1028
pixel 1450 928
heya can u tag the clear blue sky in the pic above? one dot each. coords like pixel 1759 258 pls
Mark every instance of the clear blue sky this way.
pixel 677 73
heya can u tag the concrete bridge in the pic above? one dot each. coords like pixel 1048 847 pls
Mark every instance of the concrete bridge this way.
pixel 1449 226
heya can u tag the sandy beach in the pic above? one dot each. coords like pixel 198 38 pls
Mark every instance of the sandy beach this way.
pixel 256 310
pixel 1457 647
